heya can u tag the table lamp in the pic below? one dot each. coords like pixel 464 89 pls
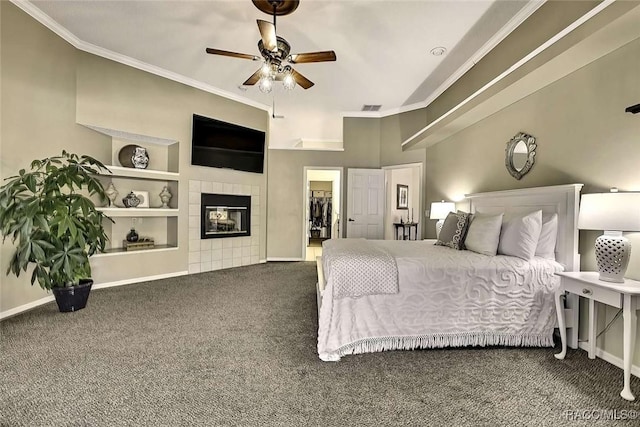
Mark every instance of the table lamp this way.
pixel 439 211
pixel 613 213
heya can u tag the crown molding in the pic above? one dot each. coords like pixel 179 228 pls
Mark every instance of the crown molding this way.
pixel 37 14
pixel 79 44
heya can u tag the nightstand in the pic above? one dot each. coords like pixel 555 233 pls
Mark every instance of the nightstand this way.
pixel 621 295
pixel 405 230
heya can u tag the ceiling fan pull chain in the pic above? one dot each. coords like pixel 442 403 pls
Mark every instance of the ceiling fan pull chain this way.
pixel 274 17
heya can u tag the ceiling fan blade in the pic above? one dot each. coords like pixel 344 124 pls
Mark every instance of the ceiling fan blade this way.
pixel 253 79
pixel 325 56
pixel 301 80
pixel 232 54
pixel 268 34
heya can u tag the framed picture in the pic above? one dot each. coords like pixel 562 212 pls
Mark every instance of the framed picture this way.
pixel 403 196
pixel 144 198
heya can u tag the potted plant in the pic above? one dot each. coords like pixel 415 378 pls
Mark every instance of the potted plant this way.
pixel 49 216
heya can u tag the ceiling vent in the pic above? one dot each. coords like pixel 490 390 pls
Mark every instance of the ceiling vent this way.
pixel 371 107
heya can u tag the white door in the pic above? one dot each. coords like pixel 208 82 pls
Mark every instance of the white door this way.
pixel 365 203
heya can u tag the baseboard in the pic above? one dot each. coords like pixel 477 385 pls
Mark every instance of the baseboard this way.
pixel 139 279
pixel 608 357
pixel 283 259
pixel 33 304
pixel 22 308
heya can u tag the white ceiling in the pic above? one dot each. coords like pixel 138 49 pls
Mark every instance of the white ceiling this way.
pixel 382 49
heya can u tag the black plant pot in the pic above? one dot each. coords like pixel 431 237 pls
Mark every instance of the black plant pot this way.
pixel 73 298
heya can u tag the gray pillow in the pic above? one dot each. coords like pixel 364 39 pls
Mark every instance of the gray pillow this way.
pixel 454 230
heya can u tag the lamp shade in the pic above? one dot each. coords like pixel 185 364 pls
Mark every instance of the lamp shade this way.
pixel 610 212
pixel 440 210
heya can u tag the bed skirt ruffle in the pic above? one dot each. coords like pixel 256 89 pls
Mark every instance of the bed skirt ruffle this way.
pixel 467 339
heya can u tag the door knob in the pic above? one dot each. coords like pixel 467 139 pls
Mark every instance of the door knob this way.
pixel 351 220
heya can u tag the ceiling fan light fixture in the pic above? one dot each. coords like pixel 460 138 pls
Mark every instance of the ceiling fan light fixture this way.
pixel 275 52
pixel 288 81
pixel 265 70
pixel 265 84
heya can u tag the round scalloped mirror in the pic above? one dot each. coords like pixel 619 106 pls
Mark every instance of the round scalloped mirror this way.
pixel 520 154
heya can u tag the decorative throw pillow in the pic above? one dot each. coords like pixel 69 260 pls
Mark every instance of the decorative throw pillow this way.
pixel 547 242
pixel 483 235
pixel 520 234
pixel 453 230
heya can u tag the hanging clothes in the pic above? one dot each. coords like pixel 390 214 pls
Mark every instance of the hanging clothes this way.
pixel 325 206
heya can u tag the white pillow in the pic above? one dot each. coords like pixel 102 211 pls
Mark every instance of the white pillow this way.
pixel 547 242
pixel 520 234
pixel 483 235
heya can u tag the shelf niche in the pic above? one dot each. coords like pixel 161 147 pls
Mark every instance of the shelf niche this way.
pixel 164 154
pixel 155 222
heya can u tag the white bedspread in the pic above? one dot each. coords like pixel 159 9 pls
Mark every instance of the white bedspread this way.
pixel 446 298
pixel 359 269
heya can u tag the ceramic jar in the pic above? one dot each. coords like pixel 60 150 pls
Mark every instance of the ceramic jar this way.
pixel 131 201
pixel 133 156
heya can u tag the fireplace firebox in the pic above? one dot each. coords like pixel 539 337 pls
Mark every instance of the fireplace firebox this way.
pixel 225 215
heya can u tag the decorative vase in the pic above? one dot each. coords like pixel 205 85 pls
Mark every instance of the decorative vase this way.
pixel 165 197
pixel 133 156
pixel 131 201
pixel 112 193
pixel 132 236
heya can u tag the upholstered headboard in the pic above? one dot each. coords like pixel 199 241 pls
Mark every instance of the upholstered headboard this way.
pixel 561 199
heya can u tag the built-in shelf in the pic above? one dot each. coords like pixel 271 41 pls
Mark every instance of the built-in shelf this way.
pixel 138 212
pixel 129 136
pixel 122 251
pixel 160 224
pixel 120 171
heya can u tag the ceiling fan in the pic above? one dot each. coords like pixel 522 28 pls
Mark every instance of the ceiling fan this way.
pixel 275 51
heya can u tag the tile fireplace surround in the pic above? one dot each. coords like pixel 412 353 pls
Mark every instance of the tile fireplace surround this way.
pixel 215 254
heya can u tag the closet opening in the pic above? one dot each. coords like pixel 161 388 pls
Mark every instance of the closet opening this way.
pixel 322 198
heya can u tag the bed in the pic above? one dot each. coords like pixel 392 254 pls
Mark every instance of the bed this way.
pixel 441 297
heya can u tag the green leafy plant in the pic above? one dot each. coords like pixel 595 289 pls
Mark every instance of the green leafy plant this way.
pixel 51 219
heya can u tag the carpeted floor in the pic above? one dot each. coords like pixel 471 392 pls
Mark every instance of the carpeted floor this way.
pixel 237 347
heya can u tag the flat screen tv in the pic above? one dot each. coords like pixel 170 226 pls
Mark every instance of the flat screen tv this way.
pixel 224 145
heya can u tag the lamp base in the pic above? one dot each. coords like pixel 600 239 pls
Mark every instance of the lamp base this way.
pixel 613 251
pixel 439 225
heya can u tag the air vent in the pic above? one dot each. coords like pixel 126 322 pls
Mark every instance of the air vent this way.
pixel 371 107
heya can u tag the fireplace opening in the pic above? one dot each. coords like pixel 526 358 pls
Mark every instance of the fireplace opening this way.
pixel 225 215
